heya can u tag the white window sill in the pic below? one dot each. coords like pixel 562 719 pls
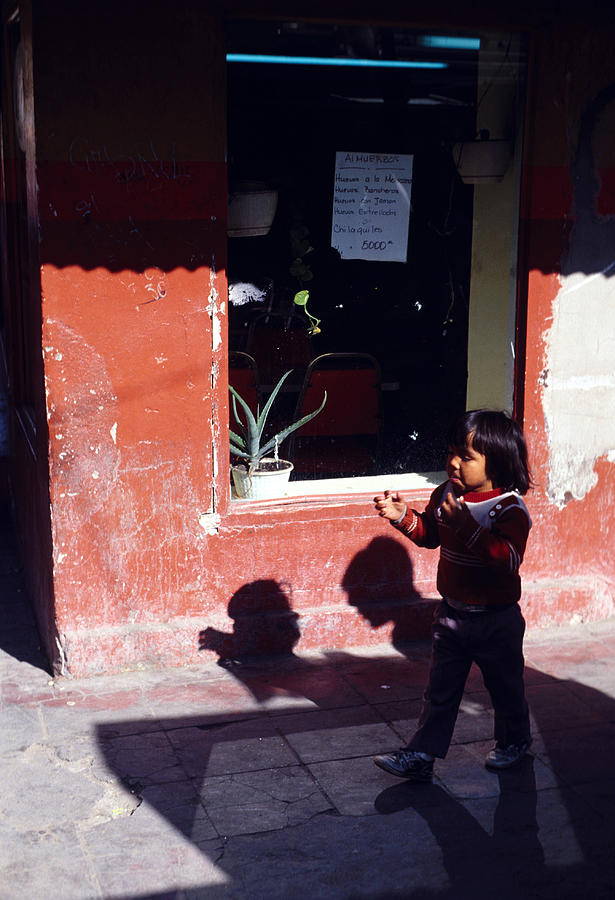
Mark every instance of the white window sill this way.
pixel 339 490
pixel 376 484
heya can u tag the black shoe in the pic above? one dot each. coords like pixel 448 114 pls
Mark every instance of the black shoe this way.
pixel 406 764
pixel 505 757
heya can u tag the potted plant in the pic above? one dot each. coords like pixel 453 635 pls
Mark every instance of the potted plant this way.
pixel 261 476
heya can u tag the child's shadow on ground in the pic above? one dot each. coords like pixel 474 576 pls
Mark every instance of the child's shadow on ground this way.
pixel 479 864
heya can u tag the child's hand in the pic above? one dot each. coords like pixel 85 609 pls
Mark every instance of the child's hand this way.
pixel 390 505
pixel 454 511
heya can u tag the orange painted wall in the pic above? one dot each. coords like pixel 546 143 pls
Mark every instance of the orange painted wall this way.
pixel 132 199
pixel 147 554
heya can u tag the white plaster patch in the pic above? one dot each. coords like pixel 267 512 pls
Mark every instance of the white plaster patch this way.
pixel 214 311
pixel 209 522
pixel 579 392
pixel 582 382
pixel 113 433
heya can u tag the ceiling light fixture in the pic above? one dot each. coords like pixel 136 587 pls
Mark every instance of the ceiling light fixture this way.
pixel 444 42
pixel 333 61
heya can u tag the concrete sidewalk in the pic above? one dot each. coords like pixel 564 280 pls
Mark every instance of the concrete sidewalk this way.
pixel 257 781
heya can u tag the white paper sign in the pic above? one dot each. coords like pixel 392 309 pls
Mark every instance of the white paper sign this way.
pixel 371 205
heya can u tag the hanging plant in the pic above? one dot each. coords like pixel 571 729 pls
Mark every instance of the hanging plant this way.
pixel 300 299
pixel 301 270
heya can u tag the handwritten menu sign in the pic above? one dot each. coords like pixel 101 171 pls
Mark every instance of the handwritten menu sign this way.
pixel 371 205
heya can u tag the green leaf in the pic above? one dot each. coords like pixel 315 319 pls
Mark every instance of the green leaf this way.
pixel 263 416
pixel 237 439
pixel 301 298
pixel 250 429
pixel 237 452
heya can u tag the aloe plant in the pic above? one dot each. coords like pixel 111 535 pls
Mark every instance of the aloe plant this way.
pixel 247 444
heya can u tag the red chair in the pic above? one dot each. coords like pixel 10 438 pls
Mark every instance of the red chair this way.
pixel 278 343
pixel 343 439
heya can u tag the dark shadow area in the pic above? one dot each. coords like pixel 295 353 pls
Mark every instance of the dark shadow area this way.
pixel 379 583
pixel 593 233
pixel 489 830
pixel 502 862
pixel 270 782
pixel 259 651
pixel 264 624
pixel 541 830
pixel 19 635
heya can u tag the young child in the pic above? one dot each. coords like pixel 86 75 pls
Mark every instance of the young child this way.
pixel 481 525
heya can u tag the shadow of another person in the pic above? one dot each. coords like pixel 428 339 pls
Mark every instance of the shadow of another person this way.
pixel 264 625
pixel 260 652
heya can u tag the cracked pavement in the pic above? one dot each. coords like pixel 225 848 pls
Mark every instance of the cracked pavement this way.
pixel 256 780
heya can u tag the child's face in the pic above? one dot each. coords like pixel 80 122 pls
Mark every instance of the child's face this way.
pixel 466 469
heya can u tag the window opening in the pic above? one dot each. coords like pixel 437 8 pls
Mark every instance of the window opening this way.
pixel 298 94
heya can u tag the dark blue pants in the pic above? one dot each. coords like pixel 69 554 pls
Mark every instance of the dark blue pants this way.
pixel 494 641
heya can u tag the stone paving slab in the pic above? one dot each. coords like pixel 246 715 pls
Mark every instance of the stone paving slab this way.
pixel 142 856
pixel 268 800
pixel 242 747
pixel 351 784
pixel 320 737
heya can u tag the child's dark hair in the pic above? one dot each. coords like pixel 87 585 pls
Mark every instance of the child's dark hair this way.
pixel 501 440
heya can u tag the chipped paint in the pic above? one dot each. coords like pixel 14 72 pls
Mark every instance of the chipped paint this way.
pixel 61 669
pixel 210 523
pixel 579 394
pixel 216 312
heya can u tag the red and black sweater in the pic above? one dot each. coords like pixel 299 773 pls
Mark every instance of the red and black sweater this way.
pixel 479 564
